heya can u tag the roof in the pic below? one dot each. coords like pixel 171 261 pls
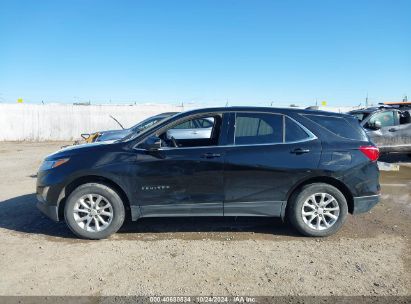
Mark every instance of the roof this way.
pixel 264 109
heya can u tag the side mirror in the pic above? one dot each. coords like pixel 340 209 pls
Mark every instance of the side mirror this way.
pixel 377 125
pixel 152 143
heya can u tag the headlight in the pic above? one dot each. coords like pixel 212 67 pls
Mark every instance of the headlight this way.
pixel 49 164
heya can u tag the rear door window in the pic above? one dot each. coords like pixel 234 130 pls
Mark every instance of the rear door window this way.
pixel 258 128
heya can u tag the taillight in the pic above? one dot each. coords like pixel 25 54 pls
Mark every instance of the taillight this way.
pixel 371 152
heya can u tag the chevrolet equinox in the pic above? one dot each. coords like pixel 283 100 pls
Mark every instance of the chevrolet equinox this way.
pixel 309 167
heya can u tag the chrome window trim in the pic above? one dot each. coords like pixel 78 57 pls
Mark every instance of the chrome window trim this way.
pixel 231 146
pixel 311 136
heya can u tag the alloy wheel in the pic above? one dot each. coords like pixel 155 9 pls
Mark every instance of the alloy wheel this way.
pixel 320 211
pixel 93 212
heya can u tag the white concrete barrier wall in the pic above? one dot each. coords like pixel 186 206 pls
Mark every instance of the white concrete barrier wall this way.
pixel 25 122
pixel 28 122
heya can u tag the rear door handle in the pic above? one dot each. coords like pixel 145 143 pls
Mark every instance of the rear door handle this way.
pixel 210 155
pixel 300 151
pixel 392 130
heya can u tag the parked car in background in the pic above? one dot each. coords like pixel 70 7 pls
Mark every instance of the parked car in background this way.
pixel 387 126
pixel 311 167
pixel 118 134
pixel 194 129
pixel 200 128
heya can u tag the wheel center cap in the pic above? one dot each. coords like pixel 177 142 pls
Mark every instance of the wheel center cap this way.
pixel 320 210
pixel 93 212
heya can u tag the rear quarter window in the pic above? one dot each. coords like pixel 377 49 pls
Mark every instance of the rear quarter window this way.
pixel 339 126
pixel 293 132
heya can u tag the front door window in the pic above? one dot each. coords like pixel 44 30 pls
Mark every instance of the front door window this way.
pixel 386 119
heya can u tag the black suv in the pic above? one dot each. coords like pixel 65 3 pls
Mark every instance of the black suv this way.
pixel 310 167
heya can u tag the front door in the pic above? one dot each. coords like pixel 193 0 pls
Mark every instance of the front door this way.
pixel 265 161
pixel 182 180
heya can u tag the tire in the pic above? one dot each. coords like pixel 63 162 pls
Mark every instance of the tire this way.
pixel 103 217
pixel 312 210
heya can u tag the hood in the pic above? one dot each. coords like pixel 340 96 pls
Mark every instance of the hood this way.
pixel 113 135
pixel 72 150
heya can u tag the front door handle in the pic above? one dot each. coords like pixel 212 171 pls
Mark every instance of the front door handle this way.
pixel 210 155
pixel 392 130
pixel 300 151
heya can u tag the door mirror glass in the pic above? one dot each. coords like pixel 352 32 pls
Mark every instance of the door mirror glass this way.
pixel 152 143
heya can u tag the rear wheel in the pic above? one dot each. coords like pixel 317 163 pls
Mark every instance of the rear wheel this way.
pixel 318 210
pixel 94 211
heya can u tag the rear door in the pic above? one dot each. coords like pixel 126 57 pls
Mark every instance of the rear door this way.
pixel 269 154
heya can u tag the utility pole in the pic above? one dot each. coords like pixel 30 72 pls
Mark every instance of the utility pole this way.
pixel 366 101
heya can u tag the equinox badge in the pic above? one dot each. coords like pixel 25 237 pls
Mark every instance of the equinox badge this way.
pixel 157 187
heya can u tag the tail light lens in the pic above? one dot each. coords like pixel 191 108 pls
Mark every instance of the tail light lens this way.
pixel 371 152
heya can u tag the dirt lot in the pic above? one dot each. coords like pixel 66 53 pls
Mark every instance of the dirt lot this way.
pixel 207 256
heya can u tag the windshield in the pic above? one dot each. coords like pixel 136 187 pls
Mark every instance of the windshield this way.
pixel 360 115
pixel 146 123
pixel 146 126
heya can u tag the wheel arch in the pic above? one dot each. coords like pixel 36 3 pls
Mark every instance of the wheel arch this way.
pixel 321 179
pixel 70 187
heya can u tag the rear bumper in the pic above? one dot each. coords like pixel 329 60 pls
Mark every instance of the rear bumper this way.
pixel 365 203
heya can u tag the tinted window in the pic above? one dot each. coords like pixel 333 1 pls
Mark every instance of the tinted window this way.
pixel 256 128
pixel 360 115
pixel 338 126
pixel 146 125
pixel 293 132
pixel 386 119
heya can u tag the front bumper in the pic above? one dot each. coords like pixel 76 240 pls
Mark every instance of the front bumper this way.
pixel 48 199
pixel 365 203
pixel 49 210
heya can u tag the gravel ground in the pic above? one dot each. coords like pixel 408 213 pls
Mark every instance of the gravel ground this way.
pixel 198 256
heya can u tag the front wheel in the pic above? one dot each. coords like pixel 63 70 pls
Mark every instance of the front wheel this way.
pixel 318 210
pixel 94 211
